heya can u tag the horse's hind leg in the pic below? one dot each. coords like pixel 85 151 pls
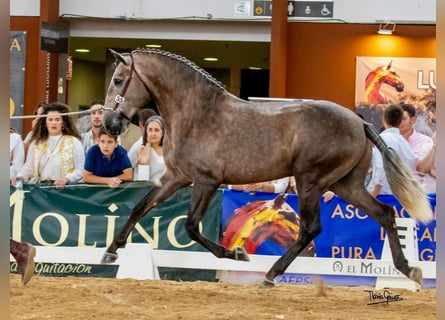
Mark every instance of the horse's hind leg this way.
pixel 148 202
pixel 310 227
pixel 357 195
pixel 201 197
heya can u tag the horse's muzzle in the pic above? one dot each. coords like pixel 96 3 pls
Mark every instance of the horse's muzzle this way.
pixel 114 123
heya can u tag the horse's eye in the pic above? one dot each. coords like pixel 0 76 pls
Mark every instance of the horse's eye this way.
pixel 117 81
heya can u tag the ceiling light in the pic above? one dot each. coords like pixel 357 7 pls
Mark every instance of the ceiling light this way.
pixel 82 50
pixel 254 68
pixel 210 59
pixel 386 28
pixel 153 45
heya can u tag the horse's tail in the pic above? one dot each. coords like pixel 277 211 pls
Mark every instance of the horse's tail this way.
pixel 401 179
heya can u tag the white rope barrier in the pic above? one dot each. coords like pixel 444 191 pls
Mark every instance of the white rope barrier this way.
pixel 63 114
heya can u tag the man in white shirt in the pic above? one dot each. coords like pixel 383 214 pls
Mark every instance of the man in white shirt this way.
pixel 420 144
pixel 91 137
pixel 392 117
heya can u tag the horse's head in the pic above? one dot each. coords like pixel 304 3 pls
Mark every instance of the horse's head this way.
pixel 377 77
pixel 389 76
pixel 126 93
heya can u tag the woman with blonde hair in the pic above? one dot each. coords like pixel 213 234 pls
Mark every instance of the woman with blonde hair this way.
pixel 55 153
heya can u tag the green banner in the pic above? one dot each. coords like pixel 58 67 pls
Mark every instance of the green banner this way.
pixel 91 215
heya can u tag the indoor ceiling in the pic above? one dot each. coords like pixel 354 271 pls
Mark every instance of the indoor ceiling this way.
pixel 230 54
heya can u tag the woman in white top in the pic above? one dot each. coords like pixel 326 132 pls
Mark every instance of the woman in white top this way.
pixel 55 154
pixel 146 154
pixel 16 153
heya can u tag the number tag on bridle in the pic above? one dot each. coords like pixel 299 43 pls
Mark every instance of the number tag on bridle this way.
pixel 119 99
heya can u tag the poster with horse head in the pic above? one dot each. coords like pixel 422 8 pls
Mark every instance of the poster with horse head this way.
pixel 381 81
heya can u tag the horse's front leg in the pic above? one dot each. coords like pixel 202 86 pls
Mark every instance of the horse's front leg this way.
pixel 201 197
pixel 310 227
pixel 148 202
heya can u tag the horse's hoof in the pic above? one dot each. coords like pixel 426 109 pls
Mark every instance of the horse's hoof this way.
pixel 108 257
pixel 267 283
pixel 416 275
pixel 241 254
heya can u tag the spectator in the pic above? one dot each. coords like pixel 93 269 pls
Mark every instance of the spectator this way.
pixel 377 175
pixel 38 111
pixel 146 155
pixel 274 186
pixel 392 118
pixel 55 154
pixel 420 144
pixel 107 162
pixel 96 117
pixel 131 135
pixel 427 165
pixel 421 125
pixel 143 114
pixel 292 185
pixel 16 153
pixel 327 196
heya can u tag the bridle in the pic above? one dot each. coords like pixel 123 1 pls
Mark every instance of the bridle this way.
pixel 120 98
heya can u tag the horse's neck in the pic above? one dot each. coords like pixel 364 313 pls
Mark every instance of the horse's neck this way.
pixel 374 81
pixel 372 90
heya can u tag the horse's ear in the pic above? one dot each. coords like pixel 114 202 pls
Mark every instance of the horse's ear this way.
pixel 119 57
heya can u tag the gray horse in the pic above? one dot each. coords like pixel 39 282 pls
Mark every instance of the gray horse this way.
pixel 214 138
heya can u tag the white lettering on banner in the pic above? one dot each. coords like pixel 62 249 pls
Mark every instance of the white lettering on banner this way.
pixel 64 228
pixel 15 45
pixel 56 268
pixel 172 236
pixel 378 270
pixel 294 279
pixel 426 235
pixel 154 241
pixel 17 218
pixel 111 226
pixel 364 268
pixel 350 212
pixel 431 80
pixel 82 231
pixel 427 255
pixel 352 252
pixel 305 266
pixel 75 227
pixel 47 76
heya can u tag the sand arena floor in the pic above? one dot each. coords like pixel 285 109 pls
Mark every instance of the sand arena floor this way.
pixel 98 298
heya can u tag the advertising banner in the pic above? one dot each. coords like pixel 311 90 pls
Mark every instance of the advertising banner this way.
pixel 346 231
pixel 381 81
pixel 17 49
pixel 91 215
pixel 267 224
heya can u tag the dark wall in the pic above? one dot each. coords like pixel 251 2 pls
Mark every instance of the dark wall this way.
pixel 254 83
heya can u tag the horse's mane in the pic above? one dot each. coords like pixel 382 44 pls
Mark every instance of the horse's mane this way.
pixel 184 60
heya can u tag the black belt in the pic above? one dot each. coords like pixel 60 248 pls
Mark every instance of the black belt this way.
pixel 47 181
